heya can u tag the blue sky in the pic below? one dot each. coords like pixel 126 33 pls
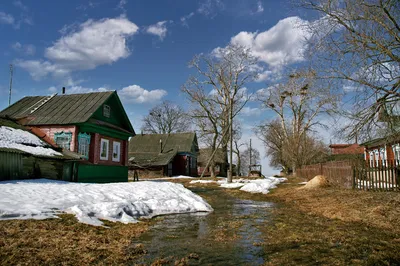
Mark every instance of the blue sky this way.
pixel 140 48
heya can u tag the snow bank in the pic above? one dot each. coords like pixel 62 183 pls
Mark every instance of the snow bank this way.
pixel 24 141
pixel 262 185
pixel 248 185
pixel 123 202
pixel 202 181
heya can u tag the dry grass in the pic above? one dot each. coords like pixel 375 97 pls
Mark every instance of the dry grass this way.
pixel 66 242
pixel 379 209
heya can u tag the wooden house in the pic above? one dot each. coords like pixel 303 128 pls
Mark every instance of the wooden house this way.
pixel 26 153
pixel 381 150
pixel 219 161
pixel 93 125
pixel 157 155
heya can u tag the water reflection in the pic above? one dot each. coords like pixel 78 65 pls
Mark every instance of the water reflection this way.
pixel 228 236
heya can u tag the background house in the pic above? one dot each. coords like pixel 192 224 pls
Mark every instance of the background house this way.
pixel 156 155
pixel 94 125
pixel 346 151
pixel 24 154
pixel 379 151
pixel 219 160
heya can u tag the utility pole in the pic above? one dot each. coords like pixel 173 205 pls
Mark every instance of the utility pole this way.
pixel 11 77
pixel 231 139
pixel 250 159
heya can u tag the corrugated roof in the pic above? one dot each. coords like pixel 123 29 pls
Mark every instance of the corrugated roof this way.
pixel 150 143
pixel 59 109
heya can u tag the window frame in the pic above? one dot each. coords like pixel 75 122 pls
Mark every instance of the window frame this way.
pixel 116 144
pixel 84 136
pixel 106 110
pixel 102 142
pixel 61 135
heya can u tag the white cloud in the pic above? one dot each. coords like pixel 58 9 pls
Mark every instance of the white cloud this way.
pixel 280 45
pixel 95 43
pixel 184 19
pixel 121 5
pixel 260 7
pixel 76 90
pixel 6 18
pixel 20 5
pixel 159 29
pixel 209 8
pixel 28 49
pixel 248 111
pixel 137 94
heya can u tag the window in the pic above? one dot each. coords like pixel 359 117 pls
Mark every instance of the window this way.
pixel 106 110
pixel 83 144
pixel 382 155
pixel 116 151
pixel 104 149
pixel 63 139
pixel 371 158
pixel 396 151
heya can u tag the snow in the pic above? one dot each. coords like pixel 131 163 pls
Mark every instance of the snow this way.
pixel 122 202
pixel 24 141
pixel 248 185
pixel 202 181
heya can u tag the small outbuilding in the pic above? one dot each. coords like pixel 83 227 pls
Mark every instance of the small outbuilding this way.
pixel 158 155
pixel 220 167
pixel 25 155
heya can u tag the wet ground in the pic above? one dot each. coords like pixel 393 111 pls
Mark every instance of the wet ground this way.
pixel 228 236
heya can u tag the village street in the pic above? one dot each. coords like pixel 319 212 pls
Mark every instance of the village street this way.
pixel 287 226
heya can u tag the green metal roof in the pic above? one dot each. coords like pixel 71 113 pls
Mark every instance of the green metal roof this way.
pixel 150 143
pixel 57 109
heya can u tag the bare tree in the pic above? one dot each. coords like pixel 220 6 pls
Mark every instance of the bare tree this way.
pixel 237 135
pixel 245 158
pixel 356 43
pixel 299 104
pixel 279 150
pixel 166 118
pixel 218 91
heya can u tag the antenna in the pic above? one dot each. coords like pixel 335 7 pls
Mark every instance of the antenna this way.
pixel 11 77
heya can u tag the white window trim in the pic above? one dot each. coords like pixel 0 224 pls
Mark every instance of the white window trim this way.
pixel 105 158
pixel 118 158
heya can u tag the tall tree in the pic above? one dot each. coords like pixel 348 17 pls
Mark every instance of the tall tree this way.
pixel 356 43
pixel 311 149
pixel 166 118
pixel 218 92
pixel 299 104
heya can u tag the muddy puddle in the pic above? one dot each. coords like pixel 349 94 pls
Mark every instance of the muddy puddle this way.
pixel 228 236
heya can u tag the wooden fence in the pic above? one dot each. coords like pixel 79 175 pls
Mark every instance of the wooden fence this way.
pixel 356 174
pixel 383 175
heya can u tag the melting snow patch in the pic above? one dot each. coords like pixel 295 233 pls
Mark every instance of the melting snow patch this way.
pixel 256 185
pixel 202 181
pixel 122 202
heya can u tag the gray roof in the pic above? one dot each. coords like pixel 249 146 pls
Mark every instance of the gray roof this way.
pixel 205 154
pixel 57 109
pixel 180 142
pixel 145 150
pixel 151 158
